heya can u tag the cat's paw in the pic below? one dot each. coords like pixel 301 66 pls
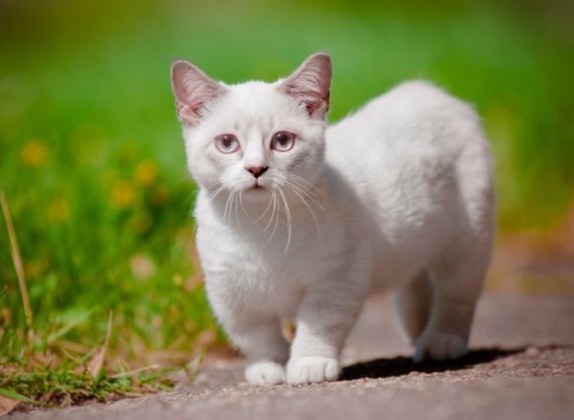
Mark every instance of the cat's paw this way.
pixel 439 347
pixel 312 369
pixel 265 373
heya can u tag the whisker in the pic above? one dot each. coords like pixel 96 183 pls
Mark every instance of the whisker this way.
pixel 274 197
pixel 307 184
pixel 304 191
pixel 310 191
pixel 319 233
pixel 227 206
pixel 217 192
pixel 276 213
pixel 304 188
pixel 213 184
pixel 266 210
pixel 221 187
pixel 237 215
pixel 241 205
pixel 288 212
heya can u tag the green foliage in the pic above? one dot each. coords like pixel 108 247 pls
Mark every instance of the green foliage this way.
pixel 92 162
pixel 62 385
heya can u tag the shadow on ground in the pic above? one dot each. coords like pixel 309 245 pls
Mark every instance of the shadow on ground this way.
pixel 400 366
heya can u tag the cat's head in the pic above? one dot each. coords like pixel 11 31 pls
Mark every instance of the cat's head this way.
pixel 254 137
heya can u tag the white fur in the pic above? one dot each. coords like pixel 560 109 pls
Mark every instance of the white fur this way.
pixel 397 196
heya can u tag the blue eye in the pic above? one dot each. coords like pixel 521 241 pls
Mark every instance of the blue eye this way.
pixel 282 141
pixel 227 143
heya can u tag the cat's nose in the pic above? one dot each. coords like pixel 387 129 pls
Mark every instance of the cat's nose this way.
pixel 257 171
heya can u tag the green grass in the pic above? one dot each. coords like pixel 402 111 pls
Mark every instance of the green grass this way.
pixel 63 385
pixel 92 163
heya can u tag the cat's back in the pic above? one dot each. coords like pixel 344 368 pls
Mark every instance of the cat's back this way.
pixel 415 113
pixel 415 130
pixel 413 156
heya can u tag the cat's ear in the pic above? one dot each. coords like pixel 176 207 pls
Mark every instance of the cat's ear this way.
pixel 193 89
pixel 310 84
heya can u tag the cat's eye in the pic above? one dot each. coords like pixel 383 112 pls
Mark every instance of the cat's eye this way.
pixel 282 141
pixel 227 143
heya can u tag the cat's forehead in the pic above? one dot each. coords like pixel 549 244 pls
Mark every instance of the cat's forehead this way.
pixel 253 103
pixel 254 96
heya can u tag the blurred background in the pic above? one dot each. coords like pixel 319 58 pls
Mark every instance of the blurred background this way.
pixel 92 163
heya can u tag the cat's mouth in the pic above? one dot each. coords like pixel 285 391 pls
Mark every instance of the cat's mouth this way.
pixel 256 187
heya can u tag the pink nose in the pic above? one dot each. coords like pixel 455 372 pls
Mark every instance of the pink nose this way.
pixel 257 171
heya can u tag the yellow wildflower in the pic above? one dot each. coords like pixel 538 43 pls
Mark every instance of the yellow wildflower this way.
pixel 123 194
pixel 34 153
pixel 146 172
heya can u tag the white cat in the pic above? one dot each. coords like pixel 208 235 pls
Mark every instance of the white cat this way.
pixel 295 221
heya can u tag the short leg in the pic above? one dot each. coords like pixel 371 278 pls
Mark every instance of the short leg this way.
pixel 456 291
pixel 263 345
pixel 412 304
pixel 324 320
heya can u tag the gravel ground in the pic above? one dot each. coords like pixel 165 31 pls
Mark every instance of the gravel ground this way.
pixel 521 367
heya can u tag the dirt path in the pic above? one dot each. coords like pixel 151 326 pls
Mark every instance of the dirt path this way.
pixel 521 367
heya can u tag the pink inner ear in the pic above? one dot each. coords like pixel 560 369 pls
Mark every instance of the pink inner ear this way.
pixel 193 89
pixel 187 113
pixel 319 105
pixel 197 96
pixel 310 84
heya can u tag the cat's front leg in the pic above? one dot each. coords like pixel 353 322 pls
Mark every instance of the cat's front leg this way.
pixel 266 352
pixel 260 340
pixel 324 320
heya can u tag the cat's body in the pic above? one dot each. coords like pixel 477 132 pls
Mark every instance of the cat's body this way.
pixel 402 200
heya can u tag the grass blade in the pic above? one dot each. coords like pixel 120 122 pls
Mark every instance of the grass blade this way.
pixel 17 261
pixel 6 393
pixel 97 362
